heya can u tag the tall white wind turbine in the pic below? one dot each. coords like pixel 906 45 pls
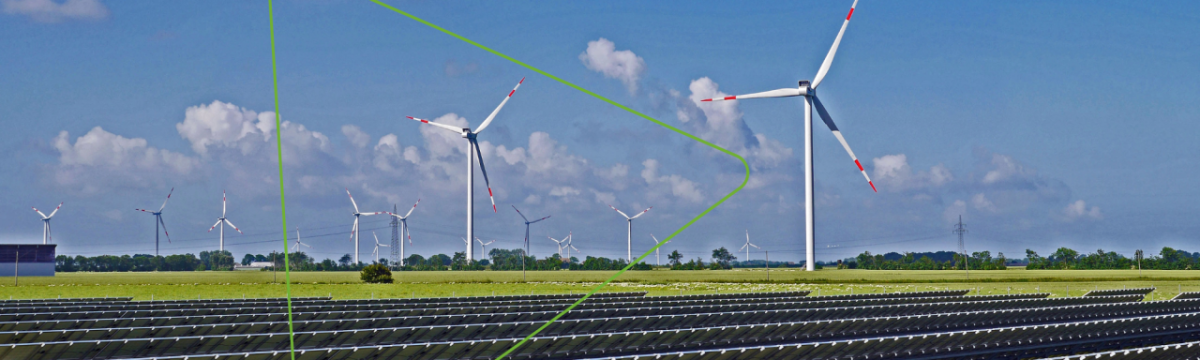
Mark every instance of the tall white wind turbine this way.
pixel 748 245
pixel 561 245
pixel 377 246
pixel 296 245
pixel 222 221
pixel 657 260
pixel 473 156
pixel 159 221
pixel 809 92
pixel 46 223
pixel 354 230
pixel 404 229
pixel 570 239
pixel 629 232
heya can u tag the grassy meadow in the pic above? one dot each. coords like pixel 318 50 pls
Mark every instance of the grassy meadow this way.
pixel 346 285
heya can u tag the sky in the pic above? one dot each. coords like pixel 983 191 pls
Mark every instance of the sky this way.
pixel 1041 124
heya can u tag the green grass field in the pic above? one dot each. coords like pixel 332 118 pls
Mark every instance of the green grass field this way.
pixel 345 285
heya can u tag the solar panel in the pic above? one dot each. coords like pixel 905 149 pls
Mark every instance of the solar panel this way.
pixel 1135 291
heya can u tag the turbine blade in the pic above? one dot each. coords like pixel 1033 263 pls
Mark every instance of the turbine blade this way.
pixel 743 247
pixel 164 205
pixel 373 213
pixel 352 200
pixel 164 225
pixel 489 243
pixel 785 92
pixel 144 210
pixel 55 211
pixel 376 238
pixel 353 229
pixel 755 246
pixel 619 211
pixel 413 208
pixel 838 134
pixel 833 49
pixel 641 213
pixel 44 215
pixel 214 226
pixel 441 125
pixel 573 247
pixel 519 213
pixel 491 117
pixel 222 203
pixel 531 222
pixel 479 157
pixel 234 226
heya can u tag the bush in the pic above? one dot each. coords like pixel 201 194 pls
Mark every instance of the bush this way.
pixel 376 274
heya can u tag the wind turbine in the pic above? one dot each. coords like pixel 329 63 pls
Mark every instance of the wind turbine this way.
pixel 46 223
pixel 159 221
pixel 377 245
pixel 298 243
pixel 473 155
pixel 560 245
pixel 748 245
pixel 354 230
pixel 527 223
pixel 222 221
pixel 404 229
pixel 483 246
pixel 629 232
pixel 809 92
pixel 570 238
pixel 657 260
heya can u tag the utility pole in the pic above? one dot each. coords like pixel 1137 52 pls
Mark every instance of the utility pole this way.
pixel 768 264
pixel 960 230
pixel 1138 255
pixel 17 269
pixel 396 241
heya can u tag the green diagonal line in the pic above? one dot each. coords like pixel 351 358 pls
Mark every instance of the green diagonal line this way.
pixel 287 269
pixel 623 107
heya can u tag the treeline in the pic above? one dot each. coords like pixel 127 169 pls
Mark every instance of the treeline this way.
pixel 1064 258
pixel 941 260
pixel 208 260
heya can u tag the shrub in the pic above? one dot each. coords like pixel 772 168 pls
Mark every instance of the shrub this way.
pixel 376 274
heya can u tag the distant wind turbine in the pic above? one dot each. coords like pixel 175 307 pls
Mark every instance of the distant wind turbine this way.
pixel 748 245
pixel 657 260
pixel 473 156
pixel 222 221
pixel 298 243
pixel 159 221
pixel 404 229
pixel 483 246
pixel 354 230
pixel 377 246
pixel 46 223
pixel 629 233
pixel 809 92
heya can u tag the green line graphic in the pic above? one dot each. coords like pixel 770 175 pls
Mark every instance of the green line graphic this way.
pixel 623 107
pixel 287 270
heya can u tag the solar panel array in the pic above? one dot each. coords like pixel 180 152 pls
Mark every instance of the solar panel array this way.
pixel 935 324
pixel 1138 291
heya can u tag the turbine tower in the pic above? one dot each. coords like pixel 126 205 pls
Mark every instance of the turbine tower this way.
pixel 657 260
pixel 809 92
pixel 222 221
pixel 473 155
pixel 404 229
pixel 159 221
pixel 46 223
pixel 297 244
pixel 629 232
pixel 354 230
pixel 377 245
pixel 747 246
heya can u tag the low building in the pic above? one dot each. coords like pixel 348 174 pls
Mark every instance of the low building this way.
pixel 257 265
pixel 27 259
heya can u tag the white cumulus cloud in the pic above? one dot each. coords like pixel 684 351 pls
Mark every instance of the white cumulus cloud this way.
pixel 601 56
pixel 100 158
pixel 51 11
pixel 1080 210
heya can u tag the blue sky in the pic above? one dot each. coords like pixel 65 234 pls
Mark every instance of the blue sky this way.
pixel 1043 124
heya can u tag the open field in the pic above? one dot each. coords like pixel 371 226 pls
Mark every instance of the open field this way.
pixel 346 285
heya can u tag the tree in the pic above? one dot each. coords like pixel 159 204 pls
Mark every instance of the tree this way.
pixel 246 260
pixel 345 260
pixel 723 256
pixel 674 258
pixel 376 274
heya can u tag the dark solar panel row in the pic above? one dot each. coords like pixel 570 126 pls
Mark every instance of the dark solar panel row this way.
pixel 1187 295
pixel 132 305
pixel 608 336
pixel 994 343
pixel 1138 291
pixel 8 301
pixel 96 320
pixel 369 320
pixel 1179 351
